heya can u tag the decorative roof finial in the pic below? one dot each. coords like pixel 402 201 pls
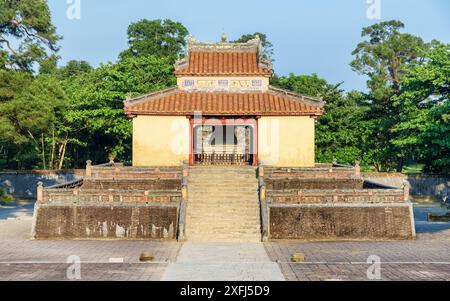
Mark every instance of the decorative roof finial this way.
pixel 224 37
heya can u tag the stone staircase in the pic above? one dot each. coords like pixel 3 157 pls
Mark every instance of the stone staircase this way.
pixel 223 204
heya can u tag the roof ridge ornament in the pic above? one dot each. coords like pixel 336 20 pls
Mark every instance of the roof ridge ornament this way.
pixel 224 37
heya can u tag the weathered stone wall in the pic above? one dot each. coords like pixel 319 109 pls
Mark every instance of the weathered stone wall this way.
pixel 336 196
pixel 420 185
pixel 106 195
pixel 23 184
pixel 105 221
pixel 316 183
pixel 332 222
pixel 132 184
pixel 127 172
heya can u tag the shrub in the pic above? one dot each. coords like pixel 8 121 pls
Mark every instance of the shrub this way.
pixel 5 197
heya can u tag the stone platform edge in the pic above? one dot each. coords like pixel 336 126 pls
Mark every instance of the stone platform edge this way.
pixel 340 221
pixel 105 220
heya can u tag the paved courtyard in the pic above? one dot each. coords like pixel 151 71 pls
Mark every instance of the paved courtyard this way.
pixel 427 258
pixel 223 261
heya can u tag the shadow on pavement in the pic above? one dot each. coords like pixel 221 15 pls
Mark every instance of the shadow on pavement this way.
pixel 20 208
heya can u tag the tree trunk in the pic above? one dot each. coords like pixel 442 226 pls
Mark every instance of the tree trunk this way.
pixel 43 151
pixel 52 157
pixel 395 76
pixel 377 166
pixel 400 163
pixel 61 161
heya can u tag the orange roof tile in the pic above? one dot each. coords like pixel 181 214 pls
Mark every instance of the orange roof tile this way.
pixel 273 102
pixel 210 63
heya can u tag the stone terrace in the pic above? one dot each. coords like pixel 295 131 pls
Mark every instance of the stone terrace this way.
pixel 331 201
pixel 112 201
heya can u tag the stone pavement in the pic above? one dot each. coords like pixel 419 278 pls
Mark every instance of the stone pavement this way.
pixel 25 259
pixel 427 258
pixel 222 262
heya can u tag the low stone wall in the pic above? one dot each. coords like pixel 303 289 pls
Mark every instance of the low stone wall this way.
pixel 105 221
pixel 335 196
pixel 126 172
pixel 420 185
pixel 132 184
pixel 70 195
pixel 24 183
pixel 308 183
pixel 321 171
pixel 340 221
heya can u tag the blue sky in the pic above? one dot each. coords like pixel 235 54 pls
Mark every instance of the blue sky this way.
pixel 308 36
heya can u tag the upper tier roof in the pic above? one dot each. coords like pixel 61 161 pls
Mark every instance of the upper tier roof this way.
pixel 223 59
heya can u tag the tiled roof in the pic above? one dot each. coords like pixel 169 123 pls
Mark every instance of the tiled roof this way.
pixel 273 102
pixel 210 63
pixel 223 58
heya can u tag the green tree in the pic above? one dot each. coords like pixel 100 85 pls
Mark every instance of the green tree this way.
pixel 28 116
pixel 385 57
pixel 423 130
pixel 266 44
pixel 95 115
pixel 310 85
pixel 341 132
pixel 164 38
pixel 28 24
pixel 5 197
pixel 74 68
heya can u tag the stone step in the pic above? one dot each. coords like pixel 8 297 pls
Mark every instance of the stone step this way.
pixel 220 206
pixel 221 198
pixel 213 177
pixel 202 228
pixel 217 218
pixel 203 239
pixel 232 193
pixel 220 233
pixel 218 189
pixel 221 218
pixel 226 231
pixel 224 174
pixel 238 183
pixel 223 205
pixel 232 215
pixel 223 228
pixel 226 203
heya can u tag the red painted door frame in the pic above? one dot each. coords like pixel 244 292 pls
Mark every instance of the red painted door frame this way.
pixel 253 122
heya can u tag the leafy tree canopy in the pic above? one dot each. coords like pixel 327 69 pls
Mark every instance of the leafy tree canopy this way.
pixel 423 130
pixel 26 23
pixel 164 38
pixel 385 56
pixel 266 44
pixel 341 131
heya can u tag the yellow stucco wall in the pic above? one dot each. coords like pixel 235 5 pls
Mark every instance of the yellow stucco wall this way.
pixel 286 141
pixel 160 140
